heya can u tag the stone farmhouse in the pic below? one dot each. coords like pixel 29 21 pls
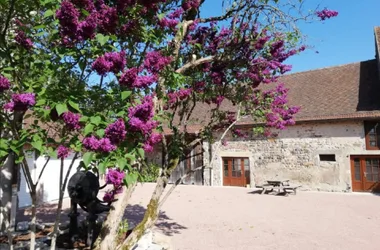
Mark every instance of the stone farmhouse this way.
pixel 334 146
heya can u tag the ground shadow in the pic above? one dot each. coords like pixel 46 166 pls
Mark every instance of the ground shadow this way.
pixel 135 213
pixel 268 192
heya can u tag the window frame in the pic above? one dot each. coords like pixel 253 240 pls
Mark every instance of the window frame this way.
pixel 368 125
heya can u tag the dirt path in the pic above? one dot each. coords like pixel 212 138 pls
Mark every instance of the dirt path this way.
pixel 220 218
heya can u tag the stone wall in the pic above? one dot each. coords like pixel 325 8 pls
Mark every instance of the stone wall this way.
pixel 294 155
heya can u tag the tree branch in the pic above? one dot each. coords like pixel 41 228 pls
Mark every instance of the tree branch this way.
pixel 194 64
pixel 9 16
pixel 42 171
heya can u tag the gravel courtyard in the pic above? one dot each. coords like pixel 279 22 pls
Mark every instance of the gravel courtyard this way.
pixel 223 218
pixel 228 218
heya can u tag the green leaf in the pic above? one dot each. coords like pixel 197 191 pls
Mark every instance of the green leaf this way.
pixel 121 113
pixel 121 163
pixel 37 145
pixel 101 39
pixel 87 158
pixel 53 154
pixel 141 153
pixel 128 180
pixel 3 153
pixel 48 13
pixel 100 132
pixel 19 159
pixel 74 105
pixel 88 129
pixel 102 168
pixel 125 94
pixel 61 108
pixel 83 119
pixel 131 157
pixel 96 120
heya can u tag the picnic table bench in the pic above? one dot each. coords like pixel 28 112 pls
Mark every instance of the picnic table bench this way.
pixel 280 186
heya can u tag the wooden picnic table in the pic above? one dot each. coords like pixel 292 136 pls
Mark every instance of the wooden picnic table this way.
pixel 281 186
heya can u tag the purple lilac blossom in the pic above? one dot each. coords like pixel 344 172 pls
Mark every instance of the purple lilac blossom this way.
pixel 140 116
pixel 108 20
pixel 106 146
pixel 189 4
pixel 4 83
pixel 155 62
pixel 22 40
pixel 21 102
pixel 62 152
pixel 68 17
pixel 71 120
pixel 109 196
pixel 110 62
pixel 326 14
pixel 115 177
pixel 116 131
pixel 91 143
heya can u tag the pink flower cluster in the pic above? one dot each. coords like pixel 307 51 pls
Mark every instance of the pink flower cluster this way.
pixel 110 62
pixel 147 74
pixel 326 14
pixel 131 78
pixel 4 84
pixel 62 152
pixel 141 120
pixel 280 115
pixel 21 102
pixel 77 25
pixel 114 177
pixel 22 40
pixel 155 62
pixel 171 20
pixel 239 133
pixel 189 4
pixel 151 141
pixel 116 131
pixel 71 120
pixel 103 145
pixel 178 95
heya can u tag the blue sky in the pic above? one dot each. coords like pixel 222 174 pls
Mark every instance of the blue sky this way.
pixel 345 39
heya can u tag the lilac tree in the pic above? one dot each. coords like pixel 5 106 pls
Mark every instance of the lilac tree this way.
pixel 106 78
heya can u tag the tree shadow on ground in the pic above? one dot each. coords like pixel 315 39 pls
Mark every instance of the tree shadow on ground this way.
pixel 135 213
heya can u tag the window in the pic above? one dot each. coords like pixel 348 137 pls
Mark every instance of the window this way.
pixel 372 135
pixel 327 158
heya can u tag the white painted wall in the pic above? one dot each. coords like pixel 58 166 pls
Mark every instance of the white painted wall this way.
pixel 48 189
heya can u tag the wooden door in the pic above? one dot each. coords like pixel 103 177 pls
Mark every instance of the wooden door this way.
pixel 365 172
pixel 236 172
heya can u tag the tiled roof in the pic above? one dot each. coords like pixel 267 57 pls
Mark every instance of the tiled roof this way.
pixel 346 91
pixel 350 91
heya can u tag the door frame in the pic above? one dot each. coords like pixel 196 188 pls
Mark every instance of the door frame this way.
pixel 246 180
pixel 359 186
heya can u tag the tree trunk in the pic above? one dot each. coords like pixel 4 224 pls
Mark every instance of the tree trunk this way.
pixel 58 215
pixel 107 237
pixel 6 175
pixel 33 195
pixel 152 211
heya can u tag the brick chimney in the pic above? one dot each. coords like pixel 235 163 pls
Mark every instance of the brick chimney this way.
pixel 377 44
